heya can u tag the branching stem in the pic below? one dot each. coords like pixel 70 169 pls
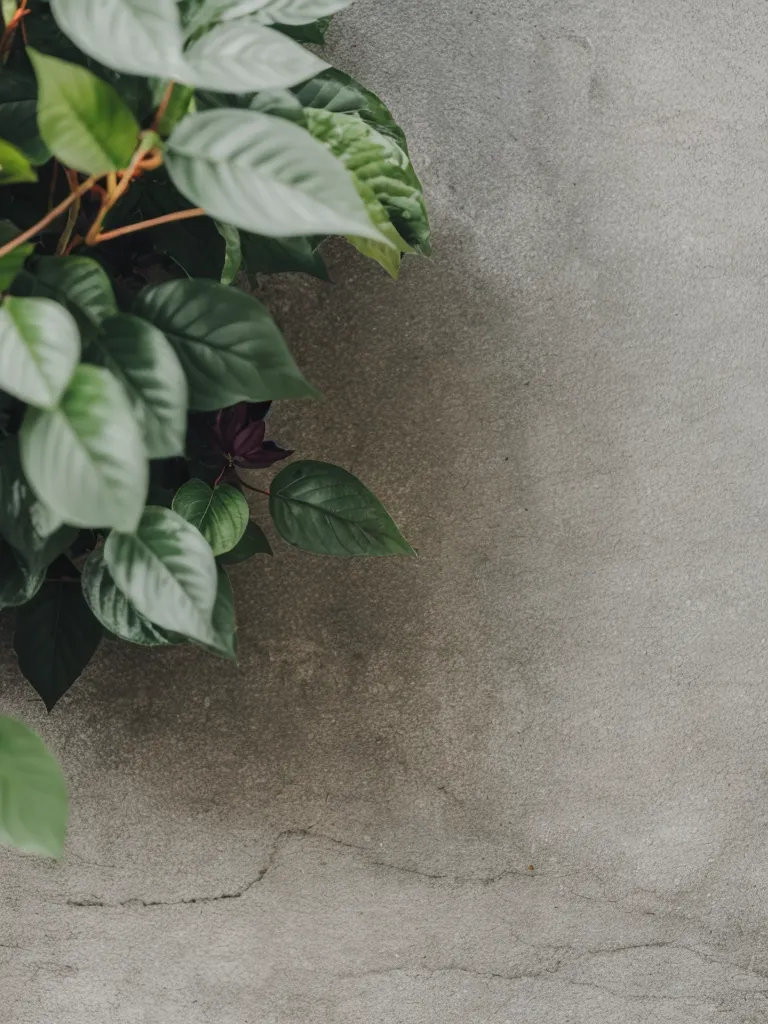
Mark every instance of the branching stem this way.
pixel 73 197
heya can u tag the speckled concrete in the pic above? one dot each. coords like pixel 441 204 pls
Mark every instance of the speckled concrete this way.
pixel 523 780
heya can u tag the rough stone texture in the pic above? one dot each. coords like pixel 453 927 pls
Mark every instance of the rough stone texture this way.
pixel 523 780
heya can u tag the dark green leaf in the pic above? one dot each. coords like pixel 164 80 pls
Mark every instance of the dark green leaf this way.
pixel 233 253
pixel 113 609
pixel 86 459
pixel 315 32
pixel 34 805
pixel 12 263
pixel 18 583
pixel 265 175
pixel 339 93
pixel 14 165
pixel 176 108
pixel 263 255
pixel 219 513
pixel 77 282
pixel 194 245
pixel 82 119
pixel 56 636
pixel 18 115
pixel 253 542
pixel 141 37
pixel 142 358
pixel 246 56
pixel 39 349
pixel 227 342
pixel 223 639
pixel 24 522
pixel 278 102
pixel 326 510
pixel 167 571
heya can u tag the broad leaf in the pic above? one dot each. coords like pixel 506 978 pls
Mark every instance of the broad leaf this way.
pixel 278 102
pixel 315 32
pixel 39 349
pixel 34 805
pixel 12 262
pixel 141 37
pixel 220 513
pixel 246 56
pixel 265 175
pixel 142 358
pixel 24 521
pixel 18 583
pixel 339 93
pixel 82 119
pixel 14 165
pixel 223 638
pixel 167 571
pixel 282 255
pixel 194 245
pixel 86 458
pixel 56 636
pixel 233 252
pixel 113 609
pixel 253 542
pixel 77 282
pixel 326 510
pixel 228 344
pixel 18 115
pixel 287 12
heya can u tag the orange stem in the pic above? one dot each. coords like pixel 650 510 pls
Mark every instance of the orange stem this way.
pixel 163 105
pixel 54 213
pixel 167 218
pixel 10 29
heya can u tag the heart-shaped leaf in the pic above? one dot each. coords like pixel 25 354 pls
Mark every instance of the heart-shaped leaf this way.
pixel 141 37
pixel 14 165
pixel 326 510
pixel 39 349
pixel 56 636
pixel 143 359
pixel 246 56
pixel 253 542
pixel 86 458
pixel 264 174
pixel 113 609
pixel 82 119
pixel 77 282
pixel 34 805
pixel 167 571
pixel 228 344
pixel 220 513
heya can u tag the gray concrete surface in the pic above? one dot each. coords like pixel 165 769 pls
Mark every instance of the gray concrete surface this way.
pixel 523 780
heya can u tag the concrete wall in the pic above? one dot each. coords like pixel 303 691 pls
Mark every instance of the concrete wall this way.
pixel 523 780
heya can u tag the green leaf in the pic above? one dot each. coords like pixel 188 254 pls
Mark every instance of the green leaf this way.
pixel 77 282
pixel 113 609
pixel 177 107
pixel 141 37
pixel 144 361
pixel 233 253
pixel 339 93
pixel 24 521
pixel 34 805
pixel 220 513
pixel 18 583
pixel 384 175
pixel 18 115
pixel 194 245
pixel 167 571
pixel 265 175
pixel 14 166
pixel 278 102
pixel 86 459
pixel 39 349
pixel 56 636
pixel 12 262
pixel 287 12
pixel 282 255
pixel 82 119
pixel 228 344
pixel 326 510
pixel 223 638
pixel 253 542
pixel 315 32
pixel 246 56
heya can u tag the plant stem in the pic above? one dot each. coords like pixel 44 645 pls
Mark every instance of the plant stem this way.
pixel 167 218
pixel 10 30
pixel 258 490
pixel 54 213
pixel 160 112
pixel 72 215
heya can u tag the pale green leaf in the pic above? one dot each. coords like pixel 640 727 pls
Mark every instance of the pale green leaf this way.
pixel 112 608
pixel 77 282
pixel 39 349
